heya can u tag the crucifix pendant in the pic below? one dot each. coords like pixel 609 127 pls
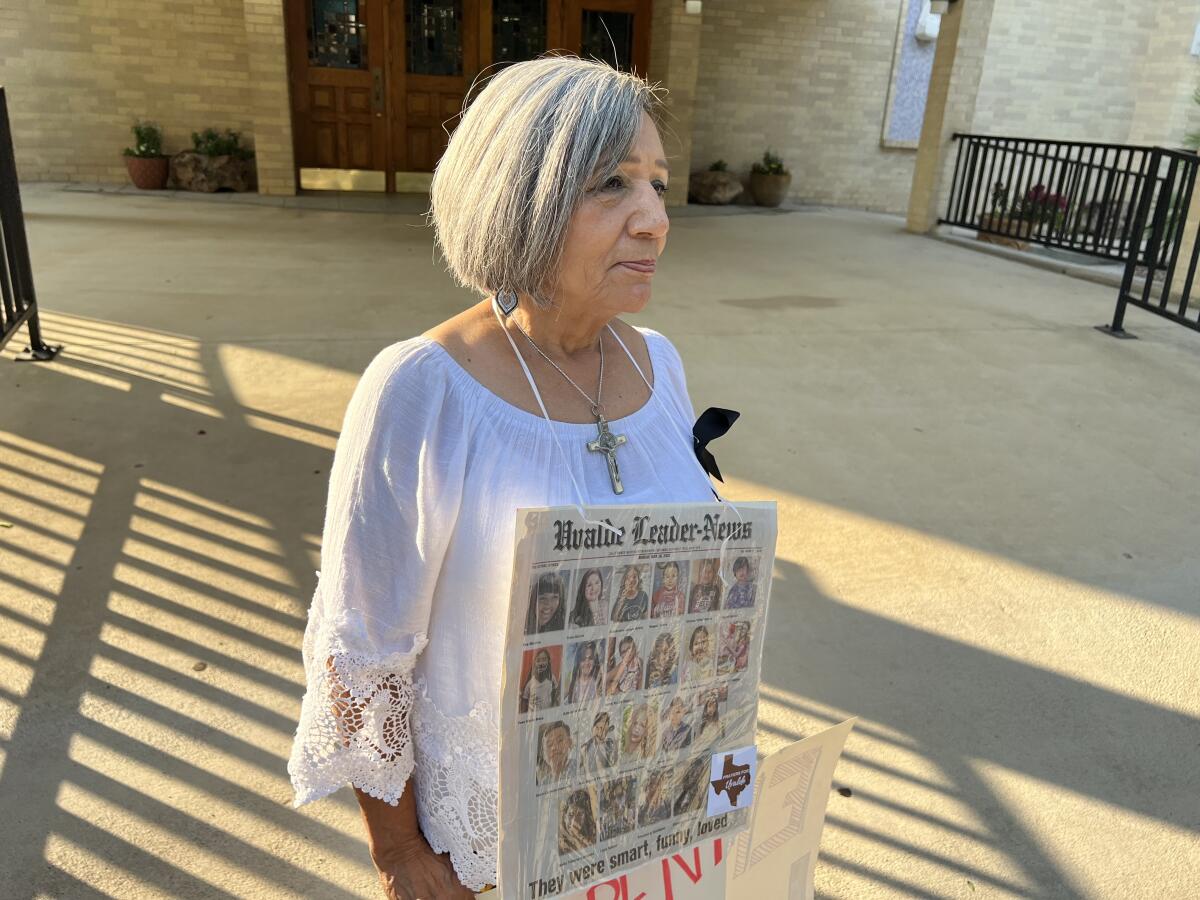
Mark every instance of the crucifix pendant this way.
pixel 607 443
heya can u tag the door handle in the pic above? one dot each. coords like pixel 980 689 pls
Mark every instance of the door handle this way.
pixel 377 90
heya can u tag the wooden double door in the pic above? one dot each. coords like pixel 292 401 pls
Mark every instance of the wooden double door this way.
pixel 377 85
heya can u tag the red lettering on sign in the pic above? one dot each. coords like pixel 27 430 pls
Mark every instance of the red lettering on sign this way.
pixel 682 863
pixel 618 886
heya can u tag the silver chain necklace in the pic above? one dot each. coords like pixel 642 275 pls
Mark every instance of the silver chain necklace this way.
pixel 606 442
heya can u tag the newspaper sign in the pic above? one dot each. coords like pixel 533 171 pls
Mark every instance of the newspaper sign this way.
pixel 630 693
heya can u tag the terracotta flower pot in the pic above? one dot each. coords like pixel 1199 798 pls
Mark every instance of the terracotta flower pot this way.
pixel 148 173
pixel 769 190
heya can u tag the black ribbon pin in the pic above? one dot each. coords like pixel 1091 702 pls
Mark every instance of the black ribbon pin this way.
pixel 713 423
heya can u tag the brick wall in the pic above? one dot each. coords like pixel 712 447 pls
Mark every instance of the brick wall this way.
pixel 78 72
pixel 266 45
pixel 809 80
pixel 1063 69
pixel 674 61
pixel 1164 111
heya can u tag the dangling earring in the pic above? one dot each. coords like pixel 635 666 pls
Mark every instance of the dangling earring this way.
pixel 507 301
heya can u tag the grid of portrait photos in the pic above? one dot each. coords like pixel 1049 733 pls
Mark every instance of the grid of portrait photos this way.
pixel 635 670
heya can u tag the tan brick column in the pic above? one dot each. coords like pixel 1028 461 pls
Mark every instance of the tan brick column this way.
pixel 675 63
pixel 270 107
pixel 950 107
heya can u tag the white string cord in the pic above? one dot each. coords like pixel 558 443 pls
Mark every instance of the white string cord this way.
pixel 579 498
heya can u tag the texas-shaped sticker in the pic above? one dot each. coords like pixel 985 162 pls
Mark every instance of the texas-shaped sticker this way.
pixel 731 785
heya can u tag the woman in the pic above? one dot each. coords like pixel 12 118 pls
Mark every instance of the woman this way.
pixel 539 690
pixel 547 602
pixel 664 658
pixel 590 608
pixel 632 602
pixel 585 678
pixel 698 665
pixel 668 599
pixel 706 592
pixel 548 205
pixel 624 666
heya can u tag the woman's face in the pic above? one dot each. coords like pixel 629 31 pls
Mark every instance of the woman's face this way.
pixel 742 574
pixel 587 660
pixel 670 578
pixel 710 708
pixel 592 588
pixel 547 606
pixel 700 645
pixel 541 664
pixel 708 572
pixel 623 219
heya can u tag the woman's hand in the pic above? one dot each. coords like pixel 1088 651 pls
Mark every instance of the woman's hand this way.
pixel 415 872
pixel 408 868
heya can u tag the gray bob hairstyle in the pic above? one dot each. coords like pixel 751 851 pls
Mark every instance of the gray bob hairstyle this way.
pixel 538 136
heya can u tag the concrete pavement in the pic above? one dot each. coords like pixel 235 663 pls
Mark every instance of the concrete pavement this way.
pixel 987 543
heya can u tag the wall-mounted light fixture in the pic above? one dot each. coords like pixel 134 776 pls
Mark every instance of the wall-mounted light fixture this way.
pixel 692 7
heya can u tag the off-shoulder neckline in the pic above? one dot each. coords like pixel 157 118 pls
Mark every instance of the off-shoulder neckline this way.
pixel 473 384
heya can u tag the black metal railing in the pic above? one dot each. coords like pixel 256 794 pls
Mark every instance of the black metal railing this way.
pixel 1161 269
pixel 1067 194
pixel 18 305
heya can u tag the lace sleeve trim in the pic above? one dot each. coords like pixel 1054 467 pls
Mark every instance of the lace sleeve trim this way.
pixel 354 720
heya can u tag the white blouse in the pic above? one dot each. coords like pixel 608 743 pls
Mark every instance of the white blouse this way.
pixel 404 645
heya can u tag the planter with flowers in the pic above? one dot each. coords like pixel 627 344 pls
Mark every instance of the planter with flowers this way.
pixel 769 180
pixel 1019 222
pixel 217 162
pixel 144 161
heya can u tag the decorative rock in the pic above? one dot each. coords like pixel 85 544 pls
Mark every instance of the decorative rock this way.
pixel 717 188
pixel 192 171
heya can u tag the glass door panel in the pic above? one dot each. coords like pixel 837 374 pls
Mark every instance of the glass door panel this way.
pixel 518 30
pixel 433 32
pixel 607 36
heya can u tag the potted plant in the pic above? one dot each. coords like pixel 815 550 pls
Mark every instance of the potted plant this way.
pixel 217 162
pixel 1018 222
pixel 144 161
pixel 769 180
pixel 717 185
